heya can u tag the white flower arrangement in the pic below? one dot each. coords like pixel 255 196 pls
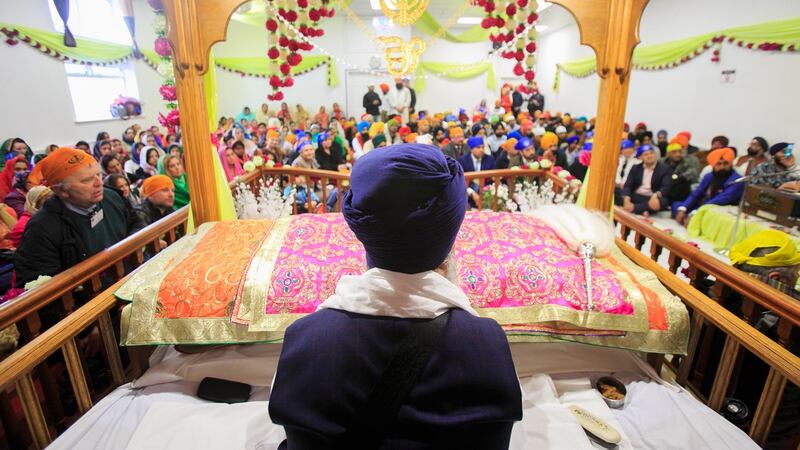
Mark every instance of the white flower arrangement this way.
pixel 249 166
pixel 258 160
pixel 545 164
pixel 530 196
pixel 268 204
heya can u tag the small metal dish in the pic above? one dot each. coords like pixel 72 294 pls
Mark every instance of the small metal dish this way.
pixel 619 385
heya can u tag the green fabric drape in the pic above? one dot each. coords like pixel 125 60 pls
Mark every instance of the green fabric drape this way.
pixel 715 224
pixel 668 54
pixel 456 71
pixel 259 66
pixel 87 51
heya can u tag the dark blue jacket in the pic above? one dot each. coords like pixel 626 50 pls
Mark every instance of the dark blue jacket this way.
pixel 468 396
pixel 487 163
pixel 730 195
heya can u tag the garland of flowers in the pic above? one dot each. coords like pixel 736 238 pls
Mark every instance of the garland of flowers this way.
pixel 165 68
pixel 284 51
pixel 508 24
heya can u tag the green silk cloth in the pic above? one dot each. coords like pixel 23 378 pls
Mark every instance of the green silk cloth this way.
pixel 715 224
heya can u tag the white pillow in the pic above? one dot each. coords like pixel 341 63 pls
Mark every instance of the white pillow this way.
pixel 253 364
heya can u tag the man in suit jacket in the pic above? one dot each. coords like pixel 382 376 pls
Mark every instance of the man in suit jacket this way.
pixel 646 188
pixel 476 160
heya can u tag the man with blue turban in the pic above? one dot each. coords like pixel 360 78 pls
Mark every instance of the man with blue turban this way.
pixel 648 184
pixel 476 160
pixel 397 357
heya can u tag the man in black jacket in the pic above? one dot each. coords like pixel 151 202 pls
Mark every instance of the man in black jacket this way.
pixel 81 219
pixel 159 199
pixel 648 184
pixel 411 90
pixel 372 102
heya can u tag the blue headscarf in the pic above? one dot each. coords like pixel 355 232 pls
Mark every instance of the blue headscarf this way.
pixel 362 127
pixel 514 134
pixel 406 204
pixel 475 141
pixel 644 148
pixel 627 143
pixel 523 143
pixel 573 139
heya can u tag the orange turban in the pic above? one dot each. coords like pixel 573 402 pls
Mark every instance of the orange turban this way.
pixel 509 144
pixel 680 139
pixel 411 138
pixel 273 134
pixel 156 183
pixel 455 131
pixel 384 87
pixel 58 165
pixel 549 139
pixel 424 122
pixel 291 138
pixel 720 153
pixel 687 134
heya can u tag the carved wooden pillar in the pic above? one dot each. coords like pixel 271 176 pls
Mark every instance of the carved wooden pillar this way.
pixel 194 26
pixel 611 28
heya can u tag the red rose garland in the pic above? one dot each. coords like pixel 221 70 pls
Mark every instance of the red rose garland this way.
pixel 284 52
pixel 509 20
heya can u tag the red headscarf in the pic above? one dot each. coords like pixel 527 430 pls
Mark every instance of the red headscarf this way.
pixel 7 176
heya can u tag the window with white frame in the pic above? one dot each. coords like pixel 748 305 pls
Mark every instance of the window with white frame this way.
pixel 94 88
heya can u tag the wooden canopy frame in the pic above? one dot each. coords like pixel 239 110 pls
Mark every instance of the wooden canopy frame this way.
pixel 609 27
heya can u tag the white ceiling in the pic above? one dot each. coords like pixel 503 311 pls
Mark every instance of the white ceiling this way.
pixel 554 17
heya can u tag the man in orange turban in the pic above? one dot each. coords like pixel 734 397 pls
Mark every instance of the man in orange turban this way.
pixel 716 188
pixel 159 199
pixel 456 148
pixel 80 220
pixel 685 169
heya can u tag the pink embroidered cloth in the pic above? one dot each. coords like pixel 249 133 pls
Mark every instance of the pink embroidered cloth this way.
pixel 512 267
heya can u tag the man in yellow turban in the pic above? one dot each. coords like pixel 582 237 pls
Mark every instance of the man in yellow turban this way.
pixel 80 220
pixel 770 255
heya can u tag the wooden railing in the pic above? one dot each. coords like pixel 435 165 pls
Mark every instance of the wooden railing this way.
pixel 317 179
pixel 783 365
pixel 20 370
pixel 756 295
pixel 59 294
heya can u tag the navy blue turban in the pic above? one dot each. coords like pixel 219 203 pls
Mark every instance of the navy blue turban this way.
pixel 406 204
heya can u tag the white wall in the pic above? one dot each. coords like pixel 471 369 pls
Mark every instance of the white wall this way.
pixel 37 104
pixel 762 101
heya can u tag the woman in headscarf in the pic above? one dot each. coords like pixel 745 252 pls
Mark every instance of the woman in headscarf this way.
pixel 16 198
pixel 301 115
pixel 128 139
pixel 230 164
pixel 17 146
pixel 285 114
pixel 101 148
pixel 171 166
pixel 148 159
pixel 34 200
pixel 13 166
pixel 337 112
pixel 175 149
pixel 322 118
pixel 101 136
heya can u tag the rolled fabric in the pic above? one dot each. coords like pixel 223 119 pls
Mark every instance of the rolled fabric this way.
pixel 720 153
pixel 153 184
pixel 406 204
pixel 785 256
pixel 60 164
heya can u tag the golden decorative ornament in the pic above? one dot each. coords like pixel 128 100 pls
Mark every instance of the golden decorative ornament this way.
pixel 403 12
pixel 402 57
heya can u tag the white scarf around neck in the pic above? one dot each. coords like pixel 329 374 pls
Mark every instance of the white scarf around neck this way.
pixel 380 292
